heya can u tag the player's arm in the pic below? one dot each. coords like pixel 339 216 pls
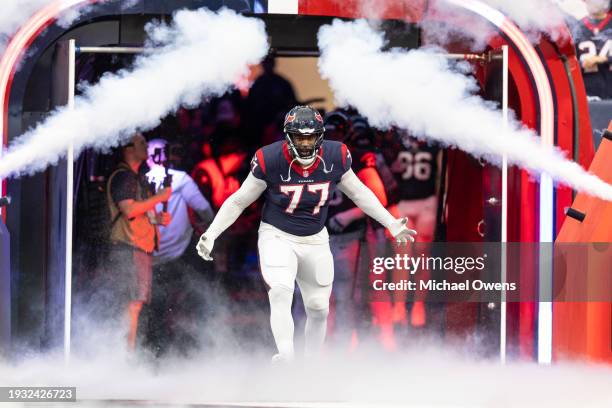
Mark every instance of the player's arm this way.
pixel 370 177
pixel 249 191
pixel 365 199
pixel 196 201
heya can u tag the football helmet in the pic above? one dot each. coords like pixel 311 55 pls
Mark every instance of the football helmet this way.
pixel 303 123
pixel 336 125
pixel 360 133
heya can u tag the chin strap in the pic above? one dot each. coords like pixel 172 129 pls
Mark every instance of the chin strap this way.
pixel 289 172
pixel 325 167
pixel 325 170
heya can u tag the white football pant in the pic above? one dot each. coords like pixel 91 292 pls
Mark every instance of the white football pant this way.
pixel 285 258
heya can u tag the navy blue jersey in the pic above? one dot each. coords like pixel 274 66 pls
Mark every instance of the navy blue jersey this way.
pixel 338 202
pixel 297 199
pixel 414 164
pixel 594 38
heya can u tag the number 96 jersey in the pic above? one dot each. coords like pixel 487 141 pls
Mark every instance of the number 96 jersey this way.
pixel 414 165
pixel 297 199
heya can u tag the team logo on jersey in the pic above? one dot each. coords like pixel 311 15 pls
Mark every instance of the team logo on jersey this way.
pixel 289 118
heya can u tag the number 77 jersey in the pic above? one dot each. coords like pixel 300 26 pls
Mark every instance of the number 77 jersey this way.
pixel 297 199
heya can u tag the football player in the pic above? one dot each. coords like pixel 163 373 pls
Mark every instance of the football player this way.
pixel 593 38
pixel 347 224
pixel 297 175
pixel 414 164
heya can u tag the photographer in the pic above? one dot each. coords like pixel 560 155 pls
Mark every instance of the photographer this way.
pixel 134 234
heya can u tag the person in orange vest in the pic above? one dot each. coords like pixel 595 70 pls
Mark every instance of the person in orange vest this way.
pixel 134 234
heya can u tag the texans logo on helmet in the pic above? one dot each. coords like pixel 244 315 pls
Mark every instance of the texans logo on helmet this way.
pixel 289 118
pixel 318 117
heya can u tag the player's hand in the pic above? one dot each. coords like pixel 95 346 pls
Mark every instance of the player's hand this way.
pixel 204 247
pixel 400 232
pixel 602 59
pixel 336 225
pixel 164 194
pixel 164 218
pixel 592 61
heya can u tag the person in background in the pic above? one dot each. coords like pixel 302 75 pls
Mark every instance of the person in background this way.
pixel 347 223
pixel 593 39
pixel 415 165
pixel 218 177
pixel 134 233
pixel 175 237
pixel 270 95
pixel 173 266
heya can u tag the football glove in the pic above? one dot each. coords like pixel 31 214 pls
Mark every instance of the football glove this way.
pixel 400 232
pixel 204 247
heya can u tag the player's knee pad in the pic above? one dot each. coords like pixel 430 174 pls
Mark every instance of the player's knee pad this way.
pixel 317 306
pixel 280 295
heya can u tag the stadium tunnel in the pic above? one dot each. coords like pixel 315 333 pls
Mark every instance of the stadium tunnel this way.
pixel 545 91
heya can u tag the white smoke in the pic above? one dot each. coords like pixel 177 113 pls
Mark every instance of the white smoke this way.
pixel 14 14
pixel 431 374
pixel 458 22
pixel 72 14
pixel 445 21
pixel 574 8
pixel 200 54
pixel 418 91
pixel 532 15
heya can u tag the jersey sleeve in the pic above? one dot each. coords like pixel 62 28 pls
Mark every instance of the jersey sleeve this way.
pixel 193 196
pixel 364 160
pixel 347 159
pixel 258 165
